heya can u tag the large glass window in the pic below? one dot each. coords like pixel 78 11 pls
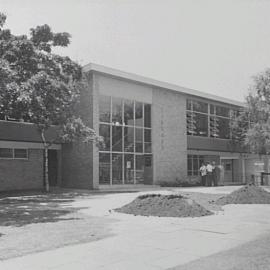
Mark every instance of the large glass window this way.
pixel 147 115
pixel 116 111
pixel 224 128
pixel 214 122
pixel 139 140
pixel 117 169
pixel 125 126
pixel 129 112
pixel 129 139
pixel 104 131
pixel 200 106
pixel 138 114
pixel 139 169
pixel 189 104
pixel 201 124
pixel 222 111
pixel 104 168
pixel 147 141
pixel 104 109
pixel 129 169
pixel 194 163
pixel 117 138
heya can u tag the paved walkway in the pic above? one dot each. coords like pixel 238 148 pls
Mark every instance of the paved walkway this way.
pixel 152 242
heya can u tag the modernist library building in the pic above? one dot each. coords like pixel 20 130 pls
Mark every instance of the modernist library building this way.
pixel 153 132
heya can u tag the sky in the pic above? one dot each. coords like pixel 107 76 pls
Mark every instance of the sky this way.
pixel 215 46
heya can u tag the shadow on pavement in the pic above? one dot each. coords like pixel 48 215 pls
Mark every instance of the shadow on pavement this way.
pixel 23 210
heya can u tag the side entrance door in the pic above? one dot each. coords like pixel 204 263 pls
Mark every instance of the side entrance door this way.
pixel 228 169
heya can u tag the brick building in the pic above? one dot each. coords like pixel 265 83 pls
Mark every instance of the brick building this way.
pixel 153 132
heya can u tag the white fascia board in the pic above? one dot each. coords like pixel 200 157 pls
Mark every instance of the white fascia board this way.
pixel 160 84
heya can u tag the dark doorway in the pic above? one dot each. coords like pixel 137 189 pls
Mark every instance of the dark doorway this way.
pixel 53 168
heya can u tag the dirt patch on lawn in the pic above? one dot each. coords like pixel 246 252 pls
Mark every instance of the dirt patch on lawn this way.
pixel 164 206
pixel 249 194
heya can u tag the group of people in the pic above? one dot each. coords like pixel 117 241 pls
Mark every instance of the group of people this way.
pixel 209 174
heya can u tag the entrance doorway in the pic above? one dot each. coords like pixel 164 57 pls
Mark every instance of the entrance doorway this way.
pixel 228 169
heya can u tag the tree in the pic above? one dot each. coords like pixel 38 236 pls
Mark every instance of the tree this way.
pixel 41 87
pixel 252 126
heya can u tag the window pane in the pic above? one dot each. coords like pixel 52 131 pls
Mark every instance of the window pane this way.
pixel 129 169
pixel 139 169
pixel 147 141
pixel 117 138
pixel 222 111
pixel 214 131
pixel 129 112
pixel 189 102
pixel 104 168
pixel 117 169
pixel 117 111
pixel 201 160
pixel 104 109
pixel 129 139
pixel 212 109
pixel 200 106
pixel 6 153
pixel 189 163
pixel 148 161
pixel 147 135
pixel 139 140
pixel 190 123
pixel 147 115
pixel 201 124
pixel 20 153
pixel 104 131
pixel 195 165
pixel 138 114
pixel 224 128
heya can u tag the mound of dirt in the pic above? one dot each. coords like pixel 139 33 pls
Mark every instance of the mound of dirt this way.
pixel 249 194
pixel 164 206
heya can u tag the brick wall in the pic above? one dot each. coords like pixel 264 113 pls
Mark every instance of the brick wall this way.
pixel 77 166
pixel 169 135
pixel 77 158
pixel 18 174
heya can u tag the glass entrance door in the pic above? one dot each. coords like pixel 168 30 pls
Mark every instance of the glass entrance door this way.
pixel 228 169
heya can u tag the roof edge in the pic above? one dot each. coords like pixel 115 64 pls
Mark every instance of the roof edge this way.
pixel 157 83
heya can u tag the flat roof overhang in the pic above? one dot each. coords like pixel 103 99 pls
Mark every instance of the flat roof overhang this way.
pixel 152 82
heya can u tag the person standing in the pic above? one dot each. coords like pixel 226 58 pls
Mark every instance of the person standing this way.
pixel 214 174
pixel 209 177
pixel 203 174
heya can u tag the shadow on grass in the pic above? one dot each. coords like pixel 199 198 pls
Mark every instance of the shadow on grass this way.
pixel 23 210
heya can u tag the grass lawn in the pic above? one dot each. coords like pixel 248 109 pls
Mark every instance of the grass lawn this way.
pixel 37 222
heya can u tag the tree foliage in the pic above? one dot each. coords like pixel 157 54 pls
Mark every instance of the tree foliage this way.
pixel 252 126
pixel 39 86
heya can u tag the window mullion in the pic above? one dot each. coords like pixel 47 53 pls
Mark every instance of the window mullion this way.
pixel 110 140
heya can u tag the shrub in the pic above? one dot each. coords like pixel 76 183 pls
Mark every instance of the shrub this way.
pixel 180 183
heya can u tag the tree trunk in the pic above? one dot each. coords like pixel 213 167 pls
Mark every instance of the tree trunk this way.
pixel 46 169
pixel 46 162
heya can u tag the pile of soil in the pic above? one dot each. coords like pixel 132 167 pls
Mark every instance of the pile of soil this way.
pixel 249 194
pixel 164 206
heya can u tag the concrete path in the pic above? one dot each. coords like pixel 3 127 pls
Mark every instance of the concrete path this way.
pixel 152 242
